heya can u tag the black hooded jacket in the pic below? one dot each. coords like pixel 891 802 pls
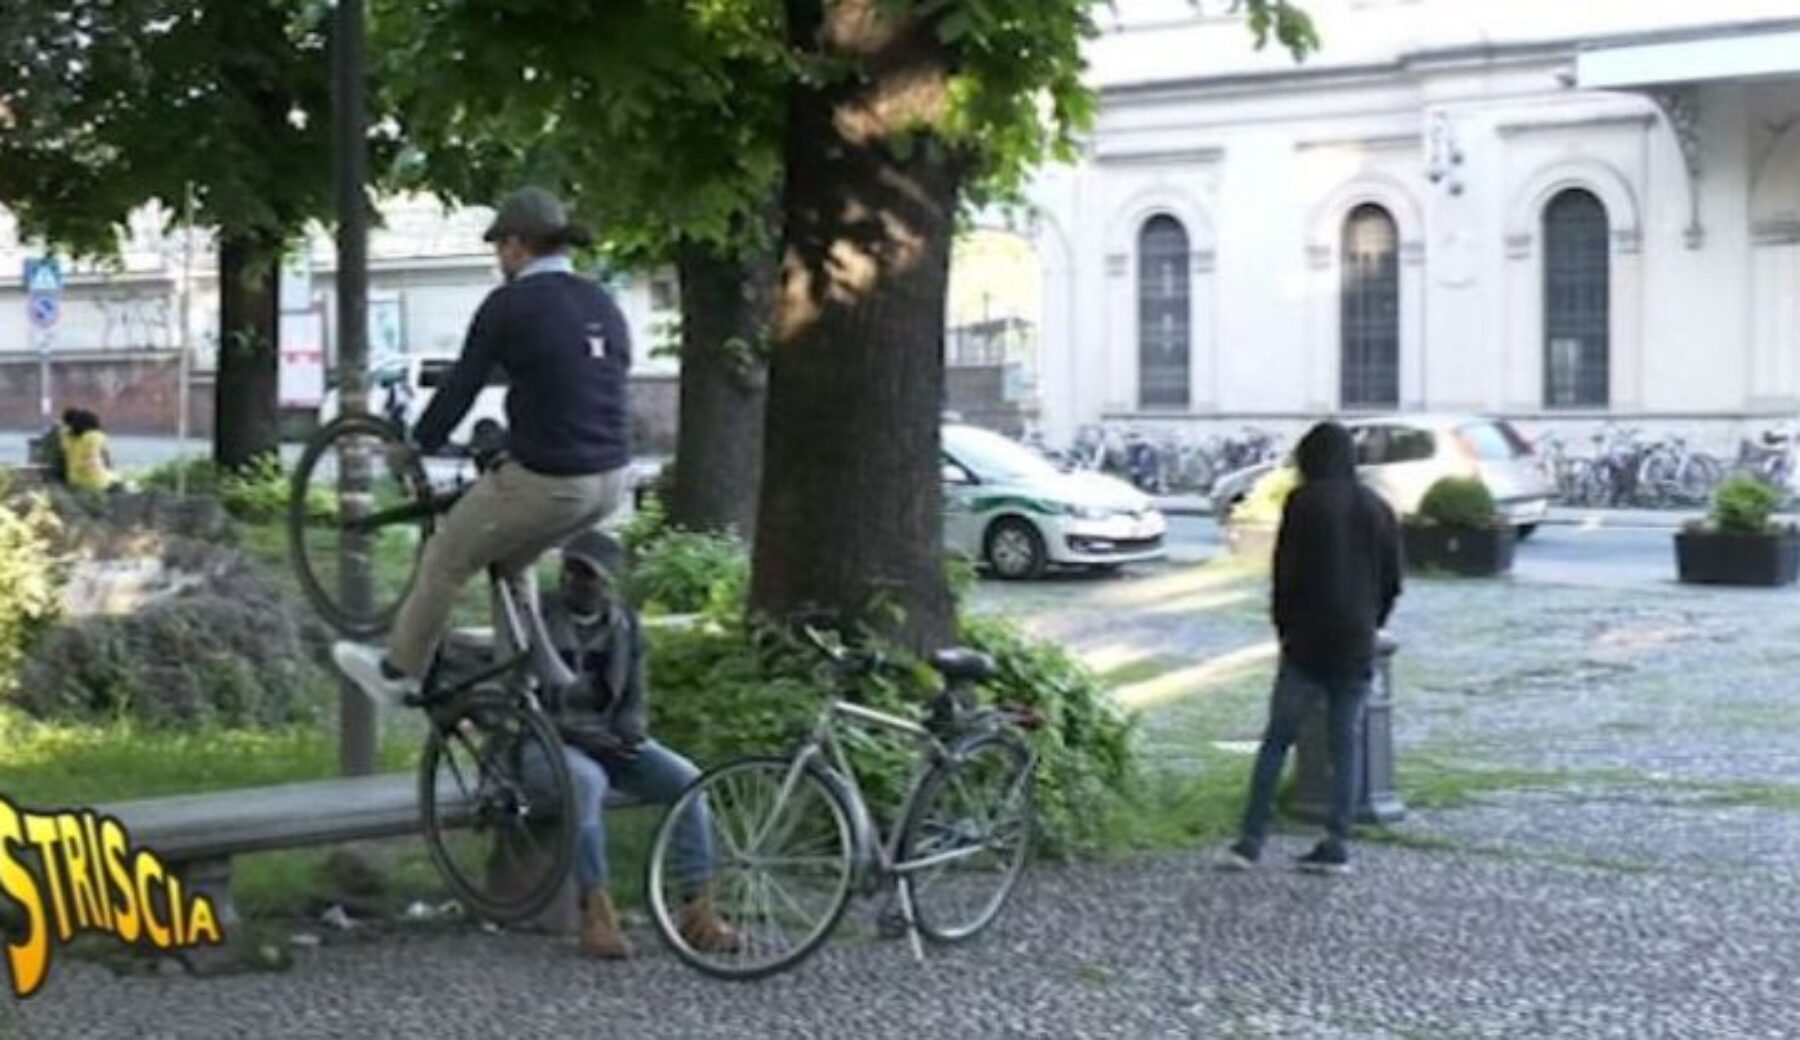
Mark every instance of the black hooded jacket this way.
pixel 1337 561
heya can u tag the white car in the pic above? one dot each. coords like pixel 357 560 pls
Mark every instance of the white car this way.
pixel 1009 508
pixel 407 385
pixel 1400 457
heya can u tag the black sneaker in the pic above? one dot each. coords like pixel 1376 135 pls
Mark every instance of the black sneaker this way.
pixel 1242 855
pixel 1327 857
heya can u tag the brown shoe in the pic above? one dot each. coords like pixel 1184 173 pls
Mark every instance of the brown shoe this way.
pixel 601 935
pixel 703 929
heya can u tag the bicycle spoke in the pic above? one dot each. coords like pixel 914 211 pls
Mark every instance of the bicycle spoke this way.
pixel 782 869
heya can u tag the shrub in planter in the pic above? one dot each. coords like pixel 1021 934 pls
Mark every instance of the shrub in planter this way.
pixel 1458 530
pixel 1739 543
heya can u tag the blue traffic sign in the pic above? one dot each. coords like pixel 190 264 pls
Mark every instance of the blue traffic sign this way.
pixel 44 311
pixel 43 276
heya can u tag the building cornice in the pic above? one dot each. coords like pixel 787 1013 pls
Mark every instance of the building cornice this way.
pixel 1424 60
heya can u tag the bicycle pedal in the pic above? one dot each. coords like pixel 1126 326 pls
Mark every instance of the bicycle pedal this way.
pixel 891 923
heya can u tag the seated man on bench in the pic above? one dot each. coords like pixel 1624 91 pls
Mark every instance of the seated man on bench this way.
pixel 601 720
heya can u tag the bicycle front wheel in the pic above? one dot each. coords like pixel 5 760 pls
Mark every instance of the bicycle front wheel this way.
pixel 771 848
pixel 383 531
pixel 968 835
pixel 498 806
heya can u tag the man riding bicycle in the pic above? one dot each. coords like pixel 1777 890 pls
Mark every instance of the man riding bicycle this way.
pixel 565 349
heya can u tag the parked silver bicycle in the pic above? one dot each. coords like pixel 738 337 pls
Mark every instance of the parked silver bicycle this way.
pixel 793 839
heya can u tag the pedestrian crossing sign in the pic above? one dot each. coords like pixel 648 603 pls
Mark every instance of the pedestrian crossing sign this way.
pixel 43 277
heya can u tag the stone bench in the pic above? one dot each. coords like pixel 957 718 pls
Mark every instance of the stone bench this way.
pixel 197 835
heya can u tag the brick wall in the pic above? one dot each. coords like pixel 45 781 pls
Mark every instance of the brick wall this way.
pixel 132 394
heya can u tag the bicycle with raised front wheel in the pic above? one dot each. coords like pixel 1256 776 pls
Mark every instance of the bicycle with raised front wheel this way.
pixel 493 785
pixel 793 839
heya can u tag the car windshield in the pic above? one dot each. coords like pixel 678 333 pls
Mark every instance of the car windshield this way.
pixel 993 457
pixel 1490 442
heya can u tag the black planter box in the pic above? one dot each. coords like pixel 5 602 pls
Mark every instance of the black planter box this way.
pixel 1718 558
pixel 1472 552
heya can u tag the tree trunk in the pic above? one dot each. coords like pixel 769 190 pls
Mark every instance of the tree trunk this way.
pixel 247 414
pixel 724 383
pixel 850 515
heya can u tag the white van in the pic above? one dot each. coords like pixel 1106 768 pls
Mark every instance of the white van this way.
pixel 408 385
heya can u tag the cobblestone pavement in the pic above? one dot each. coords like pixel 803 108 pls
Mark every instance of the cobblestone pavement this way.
pixel 1606 790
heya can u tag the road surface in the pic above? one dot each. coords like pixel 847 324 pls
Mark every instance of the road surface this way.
pixel 1596 552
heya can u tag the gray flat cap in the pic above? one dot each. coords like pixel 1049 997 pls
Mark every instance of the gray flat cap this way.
pixel 533 213
pixel 598 550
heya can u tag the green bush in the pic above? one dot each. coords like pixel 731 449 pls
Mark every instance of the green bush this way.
pixel 1268 496
pixel 1087 759
pixel 647 524
pixel 202 476
pixel 234 653
pixel 257 495
pixel 1745 504
pixel 731 689
pixel 1458 502
pixel 686 572
pixel 31 576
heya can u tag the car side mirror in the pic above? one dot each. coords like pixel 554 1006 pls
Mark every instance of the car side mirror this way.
pixel 954 474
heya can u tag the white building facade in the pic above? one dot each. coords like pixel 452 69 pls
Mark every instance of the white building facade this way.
pixel 1568 212
pixel 116 345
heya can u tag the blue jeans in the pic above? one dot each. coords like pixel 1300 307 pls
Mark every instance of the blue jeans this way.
pixel 655 775
pixel 1294 696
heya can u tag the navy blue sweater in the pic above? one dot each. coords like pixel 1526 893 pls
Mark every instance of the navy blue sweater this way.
pixel 566 350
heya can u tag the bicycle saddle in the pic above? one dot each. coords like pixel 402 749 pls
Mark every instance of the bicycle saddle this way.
pixel 964 665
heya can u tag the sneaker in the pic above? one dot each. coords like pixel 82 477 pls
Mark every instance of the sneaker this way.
pixel 368 668
pixel 1327 857
pixel 1242 855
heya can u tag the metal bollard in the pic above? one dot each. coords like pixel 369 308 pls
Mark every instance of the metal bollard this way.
pixel 1378 801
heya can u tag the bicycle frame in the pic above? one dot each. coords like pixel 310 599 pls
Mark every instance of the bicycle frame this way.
pixel 875 852
pixel 875 856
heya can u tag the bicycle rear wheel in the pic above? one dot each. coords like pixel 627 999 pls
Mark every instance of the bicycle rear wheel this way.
pixel 386 530
pixel 1700 475
pixel 968 835
pixel 498 807
pixel 775 861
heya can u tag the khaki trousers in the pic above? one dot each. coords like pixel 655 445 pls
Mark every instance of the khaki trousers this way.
pixel 510 518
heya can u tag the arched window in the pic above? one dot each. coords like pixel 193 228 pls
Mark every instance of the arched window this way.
pixel 1165 317
pixel 1577 312
pixel 1369 310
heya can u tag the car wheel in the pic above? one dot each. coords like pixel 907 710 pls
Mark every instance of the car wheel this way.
pixel 1525 531
pixel 1015 550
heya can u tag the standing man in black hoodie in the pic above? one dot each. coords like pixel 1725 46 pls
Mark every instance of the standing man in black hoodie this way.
pixel 1337 575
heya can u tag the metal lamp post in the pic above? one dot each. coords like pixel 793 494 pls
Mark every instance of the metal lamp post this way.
pixel 356 748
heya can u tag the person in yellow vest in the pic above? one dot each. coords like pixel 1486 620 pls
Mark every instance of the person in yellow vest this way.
pixel 86 461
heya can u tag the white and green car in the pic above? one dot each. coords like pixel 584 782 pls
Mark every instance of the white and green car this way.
pixel 1009 508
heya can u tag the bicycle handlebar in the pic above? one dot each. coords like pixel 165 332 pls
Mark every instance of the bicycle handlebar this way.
pixel 486 446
